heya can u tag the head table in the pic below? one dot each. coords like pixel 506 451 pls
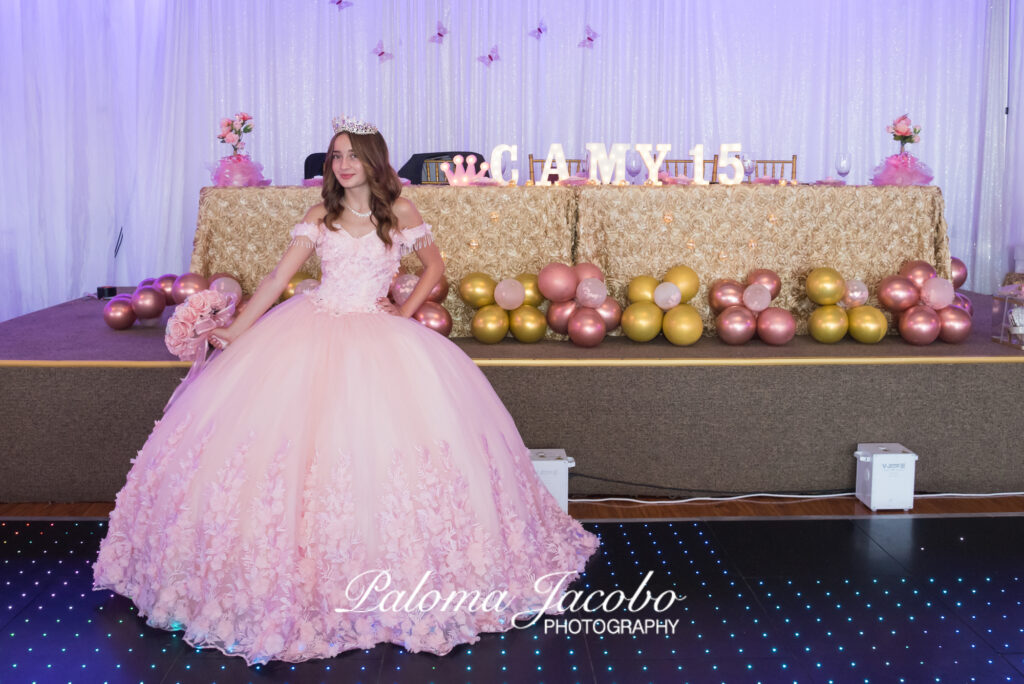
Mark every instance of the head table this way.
pixel 720 231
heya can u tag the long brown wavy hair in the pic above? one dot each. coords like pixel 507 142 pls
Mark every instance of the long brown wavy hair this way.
pixel 385 188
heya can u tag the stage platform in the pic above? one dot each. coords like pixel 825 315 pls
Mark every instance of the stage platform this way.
pixel 77 399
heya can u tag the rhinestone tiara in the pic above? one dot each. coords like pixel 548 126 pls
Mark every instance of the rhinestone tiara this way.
pixel 349 124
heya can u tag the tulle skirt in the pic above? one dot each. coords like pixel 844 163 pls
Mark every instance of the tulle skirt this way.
pixel 331 482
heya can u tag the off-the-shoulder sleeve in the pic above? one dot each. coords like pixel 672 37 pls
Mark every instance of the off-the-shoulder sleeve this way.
pixel 414 238
pixel 305 235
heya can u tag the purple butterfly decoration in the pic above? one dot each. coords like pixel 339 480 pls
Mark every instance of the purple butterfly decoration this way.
pixel 342 4
pixel 490 57
pixel 439 36
pixel 539 31
pixel 379 51
pixel 588 40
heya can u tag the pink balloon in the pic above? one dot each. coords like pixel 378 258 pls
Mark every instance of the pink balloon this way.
pixel 148 302
pixel 611 312
pixel 591 292
pixel 775 326
pixel 920 325
pixel 964 302
pixel 954 325
pixel 435 317
pixel 766 277
pixel 917 271
pixel 228 286
pixel 736 325
pixel 509 294
pixel 147 281
pixel 166 283
pixel 856 294
pixel 586 328
pixel 725 293
pixel 439 291
pixel 118 314
pixel 586 270
pixel 188 284
pixel 559 313
pixel 557 282
pixel 757 297
pixel 667 296
pixel 402 287
pixel 959 272
pixel 897 293
pixel 937 293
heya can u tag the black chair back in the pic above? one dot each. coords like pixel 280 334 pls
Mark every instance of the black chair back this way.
pixel 315 165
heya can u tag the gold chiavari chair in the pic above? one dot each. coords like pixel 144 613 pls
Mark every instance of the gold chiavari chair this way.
pixel 710 168
pixel 432 172
pixel 775 168
pixel 538 164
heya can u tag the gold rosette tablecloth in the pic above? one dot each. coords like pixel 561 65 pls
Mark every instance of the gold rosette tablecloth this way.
pixel 719 231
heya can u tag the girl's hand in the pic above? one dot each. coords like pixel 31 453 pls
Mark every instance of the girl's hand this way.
pixel 387 305
pixel 222 337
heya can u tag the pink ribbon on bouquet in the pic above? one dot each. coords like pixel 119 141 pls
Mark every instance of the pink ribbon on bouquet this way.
pixel 204 328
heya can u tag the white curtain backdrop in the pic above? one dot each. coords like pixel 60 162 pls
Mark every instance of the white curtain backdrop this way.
pixel 109 108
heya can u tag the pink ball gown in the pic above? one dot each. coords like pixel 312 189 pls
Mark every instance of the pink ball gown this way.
pixel 332 454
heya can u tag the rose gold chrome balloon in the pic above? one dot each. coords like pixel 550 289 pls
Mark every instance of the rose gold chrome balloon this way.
pixel 186 285
pixel 118 314
pixel 559 313
pixel 725 293
pixel 557 282
pixel 586 328
pixel 775 326
pixel 611 312
pixel 920 325
pixel 959 272
pixel 147 281
pixel 897 293
pixel 917 271
pixel 585 270
pixel 435 317
pixel 166 283
pixel 766 277
pixel 439 292
pixel 964 302
pixel 954 325
pixel 148 302
pixel 736 324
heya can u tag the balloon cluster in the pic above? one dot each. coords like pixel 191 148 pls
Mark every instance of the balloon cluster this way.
pixel 153 295
pixel 580 304
pixel 842 308
pixel 926 306
pixel 661 307
pixel 511 304
pixel 744 309
pixel 431 313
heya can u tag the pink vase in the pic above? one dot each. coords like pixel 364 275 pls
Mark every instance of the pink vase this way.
pixel 238 170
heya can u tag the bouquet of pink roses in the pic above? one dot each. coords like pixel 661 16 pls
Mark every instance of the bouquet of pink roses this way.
pixel 189 328
pixel 903 131
pixel 231 130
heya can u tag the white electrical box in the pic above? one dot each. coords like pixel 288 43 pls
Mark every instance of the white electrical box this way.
pixel 885 476
pixel 552 466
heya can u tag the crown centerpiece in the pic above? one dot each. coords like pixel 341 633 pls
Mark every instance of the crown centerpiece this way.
pixel 464 175
pixel 348 124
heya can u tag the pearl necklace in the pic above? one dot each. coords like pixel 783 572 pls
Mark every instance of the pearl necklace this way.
pixel 357 213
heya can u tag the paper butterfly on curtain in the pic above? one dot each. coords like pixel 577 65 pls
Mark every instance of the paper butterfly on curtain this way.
pixel 379 51
pixel 589 38
pixel 539 31
pixel 490 57
pixel 438 37
pixel 342 4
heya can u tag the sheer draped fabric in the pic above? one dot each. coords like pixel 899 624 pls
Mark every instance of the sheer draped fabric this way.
pixel 110 108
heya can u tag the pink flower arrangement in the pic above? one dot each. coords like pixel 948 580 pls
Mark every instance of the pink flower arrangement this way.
pixel 903 131
pixel 231 131
pixel 194 320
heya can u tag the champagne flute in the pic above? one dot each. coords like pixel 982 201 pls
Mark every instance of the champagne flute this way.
pixel 843 164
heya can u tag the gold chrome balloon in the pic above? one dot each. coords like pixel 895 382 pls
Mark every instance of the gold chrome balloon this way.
pixel 642 321
pixel 867 324
pixel 527 323
pixel 289 289
pixel 641 289
pixel 825 286
pixel 490 324
pixel 477 289
pixel 685 278
pixel 682 325
pixel 533 295
pixel 828 324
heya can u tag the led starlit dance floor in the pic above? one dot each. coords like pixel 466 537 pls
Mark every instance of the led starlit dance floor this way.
pixel 877 599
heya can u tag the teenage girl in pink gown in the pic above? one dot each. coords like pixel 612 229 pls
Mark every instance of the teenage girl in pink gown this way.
pixel 337 450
